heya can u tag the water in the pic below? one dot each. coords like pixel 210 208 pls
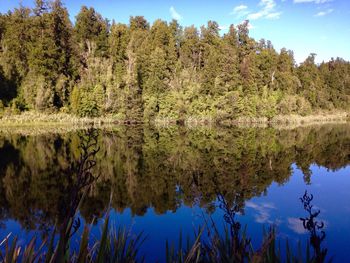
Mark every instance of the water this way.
pixel 167 180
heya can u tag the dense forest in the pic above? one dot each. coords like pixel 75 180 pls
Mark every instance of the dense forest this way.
pixel 141 72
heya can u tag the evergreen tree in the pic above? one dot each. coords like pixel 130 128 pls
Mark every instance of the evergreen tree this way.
pixel 138 23
pixel 50 57
pixel 229 62
pixel 190 51
pixel 91 32
pixel 311 82
pixel 138 72
pixel 118 42
pixel 15 43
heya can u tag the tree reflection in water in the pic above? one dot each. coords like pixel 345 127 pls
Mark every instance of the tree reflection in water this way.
pixel 159 168
pixel 79 185
pixel 145 168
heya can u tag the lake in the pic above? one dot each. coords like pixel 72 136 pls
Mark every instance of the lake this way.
pixel 167 180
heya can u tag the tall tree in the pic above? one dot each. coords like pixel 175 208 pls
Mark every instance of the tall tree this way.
pixel 91 31
pixel 143 72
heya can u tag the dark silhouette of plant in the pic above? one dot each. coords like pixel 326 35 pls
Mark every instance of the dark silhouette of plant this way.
pixel 78 186
pixel 315 228
pixel 240 244
pixel 77 189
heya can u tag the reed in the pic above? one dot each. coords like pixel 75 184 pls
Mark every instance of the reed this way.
pixel 119 245
pixel 30 118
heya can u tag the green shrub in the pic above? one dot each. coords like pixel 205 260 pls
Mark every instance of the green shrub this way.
pixel 294 104
pixel 303 106
pixel 85 103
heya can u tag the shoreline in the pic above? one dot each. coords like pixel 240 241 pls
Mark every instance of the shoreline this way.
pixel 62 119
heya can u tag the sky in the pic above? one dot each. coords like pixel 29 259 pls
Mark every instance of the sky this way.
pixel 304 26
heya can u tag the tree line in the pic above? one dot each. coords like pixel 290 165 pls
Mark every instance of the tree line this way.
pixel 142 72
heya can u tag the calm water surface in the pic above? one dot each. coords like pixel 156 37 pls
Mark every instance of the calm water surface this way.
pixel 167 180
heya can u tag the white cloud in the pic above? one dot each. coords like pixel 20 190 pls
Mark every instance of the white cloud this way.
pixel 323 13
pixel 267 11
pixel 240 11
pixel 255 16
pixel 239 8
pixel 296 225
pixel 275 15
pixel 312 1
pixel 263 211
pixel 174 14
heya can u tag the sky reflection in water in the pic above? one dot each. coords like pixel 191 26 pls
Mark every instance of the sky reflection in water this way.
pixel 161 181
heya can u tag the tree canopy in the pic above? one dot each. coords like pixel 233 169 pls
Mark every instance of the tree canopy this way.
pixel 142 72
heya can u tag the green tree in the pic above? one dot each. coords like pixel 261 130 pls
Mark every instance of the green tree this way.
pixel 311 82
pixel 190 52
pixel 91 32
pixel 155 86
pixel 142 72
pixel 15 43
pixel 50 56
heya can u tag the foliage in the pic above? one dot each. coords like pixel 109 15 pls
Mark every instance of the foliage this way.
pixel 162 71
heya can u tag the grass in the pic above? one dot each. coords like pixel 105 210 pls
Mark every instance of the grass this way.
pixel 277 121
pixel 30 118
pixel 118 245
pixel 233 245
pixel 113 246
pixel 36 118
pixel 315 118
pixel 297 120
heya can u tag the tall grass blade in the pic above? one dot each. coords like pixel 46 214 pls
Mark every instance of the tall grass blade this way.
pixel 50 249
pixel 101 256
pixel 83 250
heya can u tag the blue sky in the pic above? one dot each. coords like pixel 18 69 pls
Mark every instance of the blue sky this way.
pixel 305 26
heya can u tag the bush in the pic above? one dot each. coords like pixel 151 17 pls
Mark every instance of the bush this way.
pixel 294 104
pixel 85 103
pixel 287 105
pixel 18 104
pixel 303 106
pixel 88 106
pixel 150 108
